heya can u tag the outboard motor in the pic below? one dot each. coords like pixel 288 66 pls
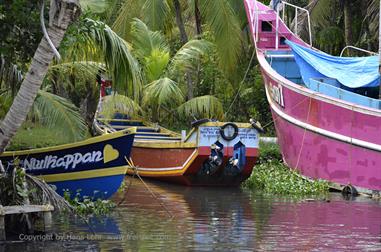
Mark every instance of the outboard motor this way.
pixel 213 163
pixel 237 161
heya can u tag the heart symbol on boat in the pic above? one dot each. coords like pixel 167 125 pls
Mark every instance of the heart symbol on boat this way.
pixel 109 153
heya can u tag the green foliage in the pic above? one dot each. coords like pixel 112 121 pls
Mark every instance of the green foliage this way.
pixel 86 206
pixel 122 66
pixel 269 152
pixel 272 176
pixel 20 30
pixel 32 136
pixel 120 104
pixel 330 39
pixel 145 41
pixel 95 6
pixel 224 25
pixel 162 92
pixel 155 13
pixel 57 112
pixel 12 187
pixel 206 106
pixel 186 58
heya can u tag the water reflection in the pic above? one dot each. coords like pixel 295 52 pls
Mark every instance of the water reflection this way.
pixel 223 219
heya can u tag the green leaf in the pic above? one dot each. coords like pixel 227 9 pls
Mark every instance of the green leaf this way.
pixel 206 106
pixel 55 111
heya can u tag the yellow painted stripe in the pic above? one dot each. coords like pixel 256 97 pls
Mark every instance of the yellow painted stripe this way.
pixel 89 141
pixel 130 170
pixel 119 170
pixel 220 124
pixel 163 144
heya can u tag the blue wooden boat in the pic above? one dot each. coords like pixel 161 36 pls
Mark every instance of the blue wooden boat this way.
pixel 95 167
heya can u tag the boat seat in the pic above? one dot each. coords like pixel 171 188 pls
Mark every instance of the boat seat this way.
pixel 280 56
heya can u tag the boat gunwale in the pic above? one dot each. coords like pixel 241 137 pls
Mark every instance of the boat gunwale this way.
pixel 89 141
pixel 313 94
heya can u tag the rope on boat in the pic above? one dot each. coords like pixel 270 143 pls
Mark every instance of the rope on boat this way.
pixel 304 134
pixel 46 35
pixel 292 108
pixel 240 84
pixel 135 169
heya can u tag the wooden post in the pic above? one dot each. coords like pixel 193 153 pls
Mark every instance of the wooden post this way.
pixel 2 224
pixel 48 218
pixel 48 222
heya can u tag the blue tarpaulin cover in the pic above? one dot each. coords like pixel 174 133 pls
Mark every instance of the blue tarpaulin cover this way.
pixel 352 72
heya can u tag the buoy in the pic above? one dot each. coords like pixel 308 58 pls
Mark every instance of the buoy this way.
pixel 349 190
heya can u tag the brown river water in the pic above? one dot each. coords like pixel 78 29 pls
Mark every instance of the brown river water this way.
pixel 179 218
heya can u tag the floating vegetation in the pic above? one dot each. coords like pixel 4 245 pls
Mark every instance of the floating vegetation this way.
pixel 86 206
pixel 271 175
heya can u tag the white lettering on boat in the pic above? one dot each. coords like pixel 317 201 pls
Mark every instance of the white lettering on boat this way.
pixel 277 94
pixel 69 161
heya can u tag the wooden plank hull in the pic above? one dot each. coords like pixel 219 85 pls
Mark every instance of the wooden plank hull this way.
pixel 95 167
pixel 183 166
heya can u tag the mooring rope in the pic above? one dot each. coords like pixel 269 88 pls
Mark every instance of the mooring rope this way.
pixel 240 84
pixel 304 133
pixel 135 169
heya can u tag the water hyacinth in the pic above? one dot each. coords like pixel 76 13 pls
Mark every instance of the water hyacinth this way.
pixel 271 175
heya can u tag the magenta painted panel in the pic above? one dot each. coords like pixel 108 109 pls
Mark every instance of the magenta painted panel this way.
pixel 320 152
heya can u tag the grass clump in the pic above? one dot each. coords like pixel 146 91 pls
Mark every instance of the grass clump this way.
pixel 271 175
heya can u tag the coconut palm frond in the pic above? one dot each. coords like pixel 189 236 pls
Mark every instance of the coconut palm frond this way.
pixel 185 58
pixel 155 13
pixel 163 92
pixel 82 70
pixel 129 10
pixel 95 6
pixel 155 64
pixel 144 41
pixel 10 75
pixel 225 27
pixel 6 100
pixel 372 17
pixel 206 106
pixel 319 17
pixel 123 67
pixel 120 104
pixel 57 112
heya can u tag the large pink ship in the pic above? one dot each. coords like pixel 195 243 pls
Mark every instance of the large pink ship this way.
pixel 327 123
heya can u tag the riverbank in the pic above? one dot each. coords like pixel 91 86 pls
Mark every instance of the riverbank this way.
pixel 271 175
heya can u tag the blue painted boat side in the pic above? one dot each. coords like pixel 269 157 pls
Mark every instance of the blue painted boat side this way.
pixel 100 187
pixel 89 165
pixel 333 91
pixel 285 65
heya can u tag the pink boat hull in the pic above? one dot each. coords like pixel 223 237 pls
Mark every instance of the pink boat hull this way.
pixel 323 137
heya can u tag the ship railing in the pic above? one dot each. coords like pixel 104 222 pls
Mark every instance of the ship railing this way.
pixel 254 18
pixel 356 48
pixel 297 9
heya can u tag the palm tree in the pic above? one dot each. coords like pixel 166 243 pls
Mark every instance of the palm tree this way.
pixel 219 16
pixel 60 18
pixel 162 93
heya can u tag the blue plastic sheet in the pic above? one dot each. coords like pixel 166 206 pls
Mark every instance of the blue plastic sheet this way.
pixel 352 72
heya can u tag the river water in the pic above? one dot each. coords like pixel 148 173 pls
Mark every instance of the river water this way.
pixel 176 218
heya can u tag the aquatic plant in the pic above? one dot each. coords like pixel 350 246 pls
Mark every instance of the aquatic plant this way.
pixel 86 205
pixel 271 175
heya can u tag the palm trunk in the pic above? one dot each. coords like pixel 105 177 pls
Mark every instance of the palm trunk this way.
pixel 37 71
pixel 197 15
pixel 180 22
pixel 184 40
pixel 347 23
